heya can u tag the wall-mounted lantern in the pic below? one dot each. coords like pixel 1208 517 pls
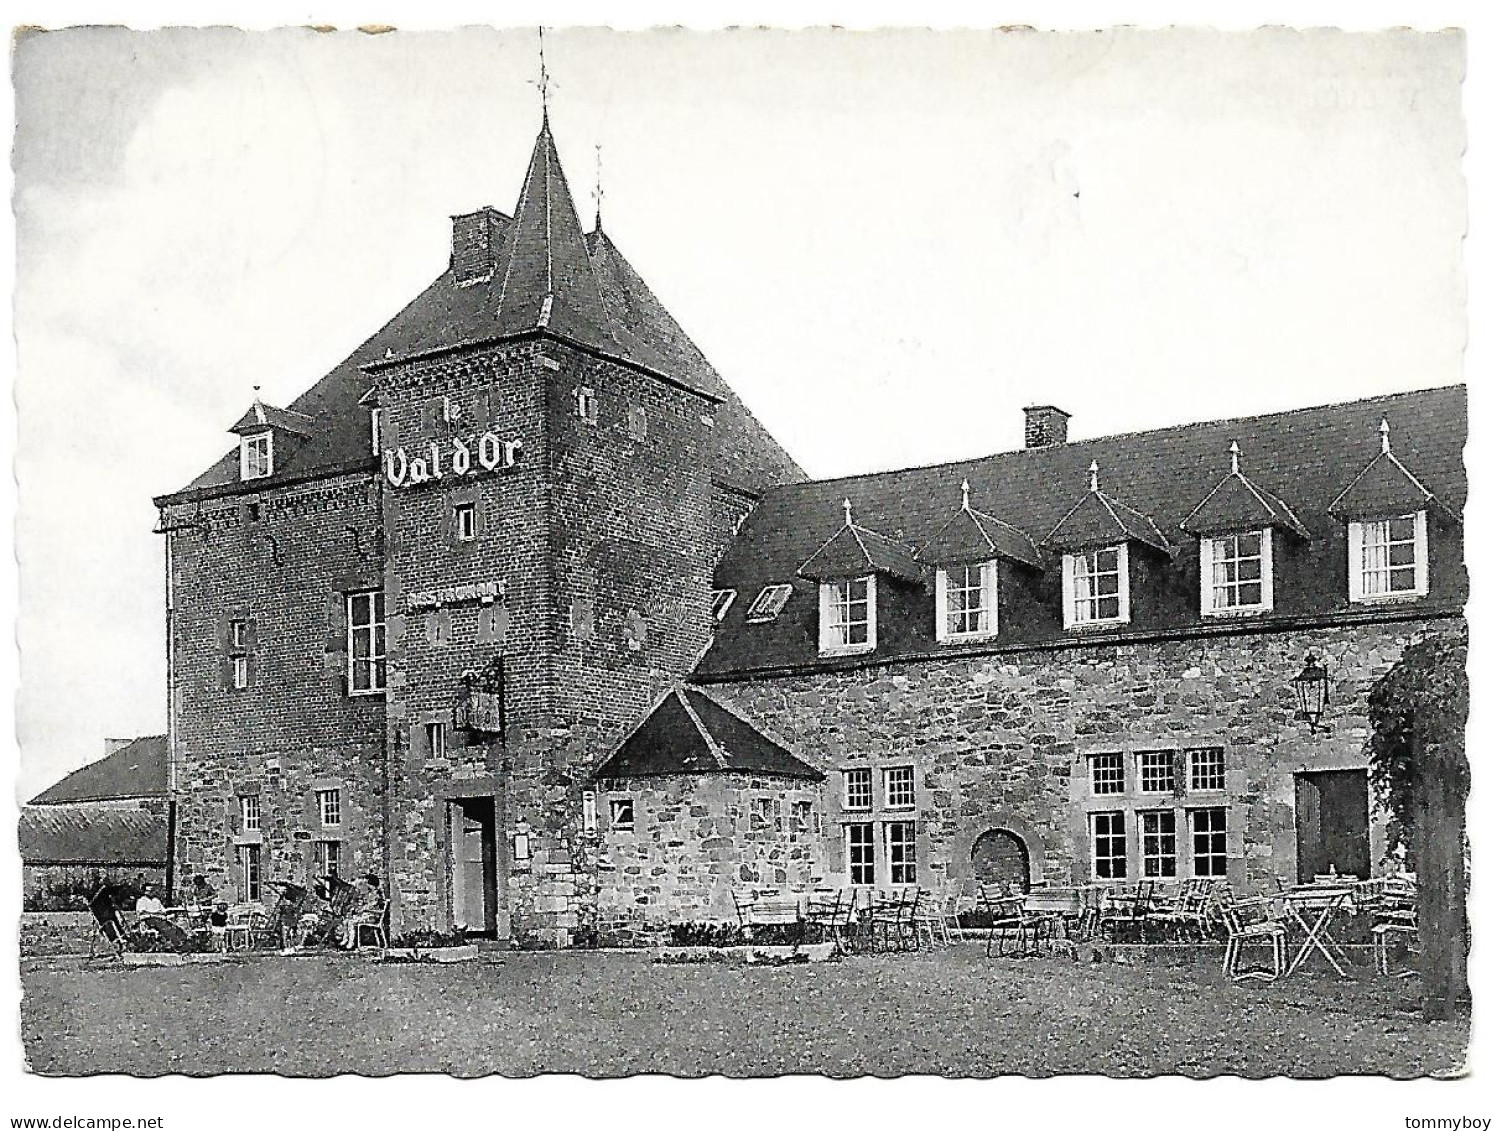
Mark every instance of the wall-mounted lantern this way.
pixel 1311 690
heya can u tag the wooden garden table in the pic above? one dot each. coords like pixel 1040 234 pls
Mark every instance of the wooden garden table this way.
pixel 1312 908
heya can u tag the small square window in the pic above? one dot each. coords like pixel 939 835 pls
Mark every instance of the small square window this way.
pixel 326 857
pixel 329 814
pixel 901 788
pixel 622 814
pixel 1207 768
pixel 250 812
pixel 1155 771
pixel 1236 573
pixel 240 672
pixel 858 789
pixel 255 456
pixel 763 813
pixel 1107 774
pixel 768 603
pixel 1389 558
pixel 464 522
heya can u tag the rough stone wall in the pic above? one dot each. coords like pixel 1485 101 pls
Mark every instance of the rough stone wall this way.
pixel 696 837
pixel 281 559
pixel 1002 742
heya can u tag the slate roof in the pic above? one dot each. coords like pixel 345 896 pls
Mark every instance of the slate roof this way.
pixel 138 769
pixel 550 279
pixel 1383 487
pixel 689 733
pixel 258 417
pixel 854 551
pixel 1306 457
pixel 1098 520
pixel 84 834
pixel 974 536
pixel 1239 504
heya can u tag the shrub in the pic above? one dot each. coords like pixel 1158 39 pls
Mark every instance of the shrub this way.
pixel 703 934
pixel 427 939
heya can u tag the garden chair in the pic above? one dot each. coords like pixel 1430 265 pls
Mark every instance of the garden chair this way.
pixel 1127 912
pixel 1395 911
pixel 1005 912
pixel 893 921
pixel 246 922
pixel 927 920
pixel 1251 921
pixel 372 925
pixel 950 909
pixel 829 916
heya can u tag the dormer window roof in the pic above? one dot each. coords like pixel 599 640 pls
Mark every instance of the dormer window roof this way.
pixel 1098 520
pixel 854 551
pixel 1384 487
pixel 1237 504
pixel 259 417
pixel 974 536
pixel 258 430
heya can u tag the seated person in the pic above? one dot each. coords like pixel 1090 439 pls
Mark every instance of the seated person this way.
pixel 367 909
pixel 316 923
pixel 202 892
pixel 149 903
pixel 219 916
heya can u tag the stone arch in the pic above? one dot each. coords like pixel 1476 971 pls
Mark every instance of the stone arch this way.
pixel 1002 820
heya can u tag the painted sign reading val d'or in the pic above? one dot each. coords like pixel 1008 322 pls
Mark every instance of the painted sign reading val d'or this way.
pixel 457 458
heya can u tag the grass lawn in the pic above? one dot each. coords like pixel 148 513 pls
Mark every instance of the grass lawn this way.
pixel 952 1012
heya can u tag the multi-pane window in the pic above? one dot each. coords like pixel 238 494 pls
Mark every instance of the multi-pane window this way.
pixel 1155 771
pixel 1160 853
pixel 1389 558
pixel 329 814
pixel 1107 773
pixel 326 857
pixel 464 522
pixel 1095 586
pixel 848 615
pixel 239 661
pixel 967 601
pixel 719 603
pixel 858 789
pixel 1236 573
pixel 255 456
pixel 1207 828
pixel 860 841
pixel 367 642
pixel 902 851
pixel 900 787
pixel 1207 768
pixel 622 814
pixel 250 872
pixel 239 634
pixel 250 812
pixel 768 603
pixel 1108 845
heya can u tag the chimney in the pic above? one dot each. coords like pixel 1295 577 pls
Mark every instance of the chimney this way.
pixel 477 239
pixel 1044 426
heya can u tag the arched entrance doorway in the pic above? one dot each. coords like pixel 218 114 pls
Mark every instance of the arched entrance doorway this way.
pixel 1000 857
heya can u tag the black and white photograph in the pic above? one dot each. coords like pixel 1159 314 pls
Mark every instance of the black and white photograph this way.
pixel 757 552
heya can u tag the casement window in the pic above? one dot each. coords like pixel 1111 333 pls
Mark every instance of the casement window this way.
pixel 586 406
pixel 1107 774
pixel 858 789
pixel 768 603
pixel 902 851
pixel 239 672
pixel 464 522
pixel 326 857
pixel 250 872
pixel 900 787
pixel 329 808
pixel 239 635
pixel 1160 852
pixel 1096 590
pixel 1155 771
pixel 803 816
pixel 255 456
pixel 366 615
pixel 1207 768
pixel 250 812
pixel 1207 829
pixel 1108 845
pixel 1389 557
pixel 847 616
pixel 860 847
pixel 433 740
pixel 719 603
pixel 1236 573
pixel 622 814
pixel 966 602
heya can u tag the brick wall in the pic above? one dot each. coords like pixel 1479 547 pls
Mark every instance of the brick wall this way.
pixel 1002 742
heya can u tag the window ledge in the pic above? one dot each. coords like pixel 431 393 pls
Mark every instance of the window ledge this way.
pixel 966 638
pixel 379 693
pixel 1097 625
pixel 1390 598
pixel 1233 614
pixel 856 650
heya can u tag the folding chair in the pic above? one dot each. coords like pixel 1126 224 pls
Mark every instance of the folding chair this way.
pixel 372 925
pixel 1250 921
pixel 1005 912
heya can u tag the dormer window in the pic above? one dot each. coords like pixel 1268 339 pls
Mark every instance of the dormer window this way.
pixel 1389 557
pixel 255 456
pixel 847 616
pixel 965 601
pixel 1236 573
pixel 1096 589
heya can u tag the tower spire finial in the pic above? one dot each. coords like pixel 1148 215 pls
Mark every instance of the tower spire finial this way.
pixel 1235 458
pixel 848 520
pixel 542 82
pixel 1094 476
pixel 1386 437
pixel 965 494
pixel 599 185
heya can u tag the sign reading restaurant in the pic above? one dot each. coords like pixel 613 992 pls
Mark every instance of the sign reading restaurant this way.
pixel 459 458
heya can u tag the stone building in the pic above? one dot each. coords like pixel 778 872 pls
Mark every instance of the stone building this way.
pixel 521 608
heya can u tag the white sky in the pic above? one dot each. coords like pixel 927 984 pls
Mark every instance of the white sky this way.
pixel 887 244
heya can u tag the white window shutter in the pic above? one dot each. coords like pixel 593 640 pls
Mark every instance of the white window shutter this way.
pixel 1068 587
pixel 989 597
pixel 826 616
pixel 1126 582
pixel 1207 576
pixel 1421 553
pixel 871 605
pixel 1353 559
pixel 1267 568
pixel 941 604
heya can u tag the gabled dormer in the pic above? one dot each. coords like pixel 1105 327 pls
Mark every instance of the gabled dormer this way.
pixel 846 568
pixel 1387 513
pixel 965 555
pixel 1238 524
pixel 267 434
pixel 1096 537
